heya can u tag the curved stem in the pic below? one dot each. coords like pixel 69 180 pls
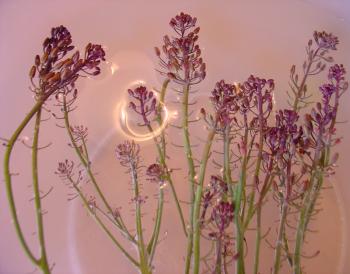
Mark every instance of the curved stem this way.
pixel 44 265
pixel 8 181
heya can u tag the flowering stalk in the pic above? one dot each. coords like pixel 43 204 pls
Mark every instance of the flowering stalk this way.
pixel 65 172
pixel 183 65
pixel 238 203
pixel 288 161
pixel 324 42
pixel 75 135
pixel 146 106
pixel 144 266
pixel 54 73
pixel 320 123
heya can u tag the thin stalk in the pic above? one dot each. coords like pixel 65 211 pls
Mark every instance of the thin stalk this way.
pixel 144 268
pixel 8 179
pixel 44 265
pixel 84 159
pixel 300 89
pixel 238 201
pixel 278 251
pixel 257 240
pixel 151 248
pixel 162 155
pixel 305 214
pixel 237 219
pixel 162 160
pixel 227 175
pixel 258 209
pixel 218 261
pixel 256 181
pixel 187 142
pixel 286 247
pixel 321 160
pixel 102 225
pixel 191 174
pixel 227 169
pixel 198 199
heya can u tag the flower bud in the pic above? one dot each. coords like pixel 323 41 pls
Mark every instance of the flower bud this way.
pixel 32 72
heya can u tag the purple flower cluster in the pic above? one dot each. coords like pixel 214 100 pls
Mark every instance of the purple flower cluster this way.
pixel 221 211
pixel 326 40
pixel 224 100
pixel 56 72
pixel 320 123
pixel 260 90
pixel 79 133
pixel 336 73
pixel 65 169
pixel 127 152
pixel 182 60
pixel 283 139
pixel 222 215
pixel 253 96
pixel 156 173
pixel 145 104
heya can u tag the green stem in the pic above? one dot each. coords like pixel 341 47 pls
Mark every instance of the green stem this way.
pixel 102 225
pixel 238 199
pixel 300 89
pixel 198 199
pixel 85 161
pixel 8 180
pixel 304 218
pixel 237 218
pixel 227 169
pixel 218 262
pixel 191 174
pixel 257 240
pixel 162 155
pixel 44 265
pixel 286 247
pixel 151 248
pixel 258 209
pixel 144 268
pixel 278 251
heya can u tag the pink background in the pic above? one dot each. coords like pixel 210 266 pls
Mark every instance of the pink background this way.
pixel 238 38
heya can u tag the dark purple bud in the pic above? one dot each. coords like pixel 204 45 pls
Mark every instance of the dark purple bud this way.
pixel 32 72
pixel 157 51
pixel 326 40
pixel 336 72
